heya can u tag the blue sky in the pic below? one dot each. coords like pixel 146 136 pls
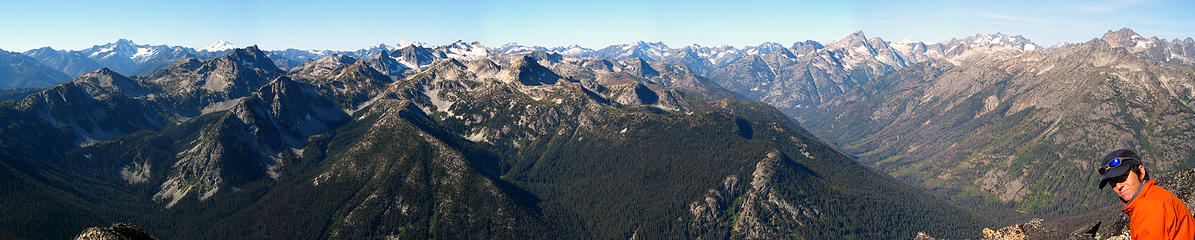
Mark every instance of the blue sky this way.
pixel 349 25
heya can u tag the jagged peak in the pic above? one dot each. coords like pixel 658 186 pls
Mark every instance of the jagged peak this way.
pixel 102 71
pixel 123 41
pixel 251 55
pixel 858 34
pixel 337 58
pixel 484 65
pixel 413 47
pixel 1127 38
pixel 814 44
pixel 850 40
pixel 362 68
pixel 526 60
pixel 112 81
pixel 641 43
pixel 253 48
pixel 385 47
pixel 997 38
pixel 1121 32
pixel 219 46
pixel 463 44
pixel 770 45
pixel 40 50
pixel 450 63
pixel 530 73
pixel 1124 34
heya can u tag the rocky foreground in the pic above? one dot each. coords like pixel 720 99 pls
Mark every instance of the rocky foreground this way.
pixel 1113 225
pixel 118 231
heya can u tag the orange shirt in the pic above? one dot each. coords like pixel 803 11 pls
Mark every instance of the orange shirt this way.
pixel 1157 214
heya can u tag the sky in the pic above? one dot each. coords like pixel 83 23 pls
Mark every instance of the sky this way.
pixel 351 25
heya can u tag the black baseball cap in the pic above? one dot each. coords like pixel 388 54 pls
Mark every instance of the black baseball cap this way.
pixel 1116 164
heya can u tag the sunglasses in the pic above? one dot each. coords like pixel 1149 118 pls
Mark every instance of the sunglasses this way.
pixel 1115 180
pixel 1112 164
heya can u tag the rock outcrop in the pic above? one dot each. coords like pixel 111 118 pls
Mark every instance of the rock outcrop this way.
pixel 118 231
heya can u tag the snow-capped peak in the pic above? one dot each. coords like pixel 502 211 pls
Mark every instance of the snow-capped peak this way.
pixel 463 50
pixel 386 47
pixel 572 50
pixel 219 46
pixel 999 40
pixel 405 43
pixel 511 48
pixel 121 48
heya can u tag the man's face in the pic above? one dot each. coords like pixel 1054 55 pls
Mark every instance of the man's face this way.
pixel 1126 186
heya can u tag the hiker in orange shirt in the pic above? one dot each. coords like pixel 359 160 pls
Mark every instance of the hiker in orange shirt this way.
pixel 1154 213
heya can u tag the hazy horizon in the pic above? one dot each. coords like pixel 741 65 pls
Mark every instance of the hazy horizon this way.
pixel 276 25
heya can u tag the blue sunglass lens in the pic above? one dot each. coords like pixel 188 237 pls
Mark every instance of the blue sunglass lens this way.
pixel 1115 162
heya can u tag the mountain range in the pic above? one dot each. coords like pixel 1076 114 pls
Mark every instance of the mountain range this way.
pixel 527 141
pixel 458 145
pixel 129 58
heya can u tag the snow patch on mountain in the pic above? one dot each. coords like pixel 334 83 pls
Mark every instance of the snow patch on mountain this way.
pixel 573 50
pixel 405 43
pixel 461 50
pixel 218 46
pixel 144 52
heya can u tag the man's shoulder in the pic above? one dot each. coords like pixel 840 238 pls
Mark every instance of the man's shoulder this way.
pixel 1159 197
pixel 1159 193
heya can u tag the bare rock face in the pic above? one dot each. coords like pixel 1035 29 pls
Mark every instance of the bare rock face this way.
pixel 757 206
pixel 924 236
pixel 118 231
pixel 1030 230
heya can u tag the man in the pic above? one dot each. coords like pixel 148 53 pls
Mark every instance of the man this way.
pixel 1154 213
